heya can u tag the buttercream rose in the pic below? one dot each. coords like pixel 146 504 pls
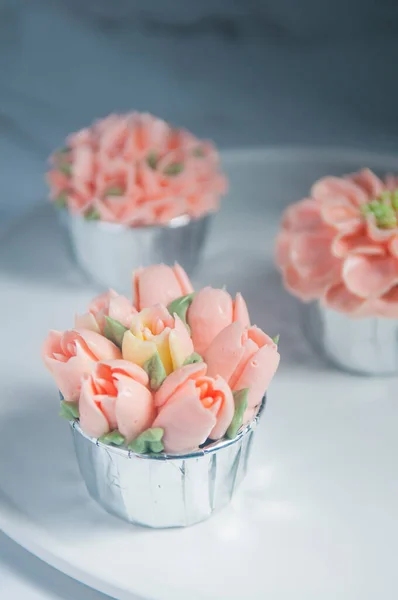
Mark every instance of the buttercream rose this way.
pixel 115 396
pixel 245 357
pixel 110 304
pixel 192 408
pixel 154 331
pixel 160 284
pixel 210 312
pixel 71 354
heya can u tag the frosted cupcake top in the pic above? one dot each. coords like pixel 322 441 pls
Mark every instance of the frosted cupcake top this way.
pixel 340 245
pixel 173 371
pixel 135 169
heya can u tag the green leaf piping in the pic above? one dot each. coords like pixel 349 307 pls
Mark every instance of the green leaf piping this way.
pixel 69 410
pixel 149 441
pixel 114 190
pixel 152 160
pixel 156 371
pixel 174 169
pixel 276 339
pixel 92 215
pixel 114 331
pixel 114 438
pixel 180 306
pixel 241 401
pixel 61 201
pixel 65 168
pixel 193 358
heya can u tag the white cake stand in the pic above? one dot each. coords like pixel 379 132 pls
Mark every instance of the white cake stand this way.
pixel 317 518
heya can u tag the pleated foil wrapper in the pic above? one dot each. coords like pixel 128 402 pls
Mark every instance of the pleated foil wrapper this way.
pixel 159 490
pixel 108 253
pixel 363 346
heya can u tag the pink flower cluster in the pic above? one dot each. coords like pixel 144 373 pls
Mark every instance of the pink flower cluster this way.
pixel 340 245
pixel 136 169
pixel 185 366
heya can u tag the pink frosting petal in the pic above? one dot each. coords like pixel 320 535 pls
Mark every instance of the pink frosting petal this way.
pixel 135 408
pixel 226 412
pixel 92 420
pixel 240 312
pixel 378 234
pixel 393 246
pixel 87 321
pixel 339 298
pixel 282 248
pixel 185 421
pixel 183 279
pixel 98 345
pixel 258 374
pixel 388 304
pixel 343 245
pixel 225 352
pixel 302 216
pixel 304 288
pixel 370 277
pixel 125 367
pixel 336 188
pixel 156 284
pixel 342 215
pixel 369 182
pixel 311 255
pixel 210 312
pixel 177 379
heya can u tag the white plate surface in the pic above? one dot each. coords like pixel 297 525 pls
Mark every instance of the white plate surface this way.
pixel 316 519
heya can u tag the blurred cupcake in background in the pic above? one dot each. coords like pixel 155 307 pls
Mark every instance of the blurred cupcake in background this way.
pixel 134 191
pixel 338 250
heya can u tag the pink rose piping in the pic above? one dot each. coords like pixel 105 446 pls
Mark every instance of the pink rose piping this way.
pixel 135 169
pixel 340 245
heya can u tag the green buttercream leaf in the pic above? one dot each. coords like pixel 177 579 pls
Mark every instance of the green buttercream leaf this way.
pixel 276 339
pixel 199 152
pixel 240 399
pixel 180 306
pixel 69 410
pixel 92 215
pixel 193 358
pixel 152 160
pixel 114 190
pixel 61 201
pixel 156 371
pixel 113 437
pixel 174 169
pixel 149 441
pixel 63 150
pixel 65 168
pixel 114 331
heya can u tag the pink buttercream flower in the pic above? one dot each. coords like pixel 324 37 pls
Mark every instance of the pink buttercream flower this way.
pixel 71 354
pixel 210 312
pixel 160 284
pixel 110 304
pixel 340 245
pixel 136 170
pixel 245 357
pixel 116 396
pixel 193 407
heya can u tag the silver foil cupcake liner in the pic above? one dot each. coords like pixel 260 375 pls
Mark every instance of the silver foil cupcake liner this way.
pixel 160 490
pixel 364 346
pixel 108 253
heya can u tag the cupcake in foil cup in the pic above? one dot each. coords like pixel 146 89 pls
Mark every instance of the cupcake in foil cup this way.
pixel 338 250
pixel 133 191
pixel 163 395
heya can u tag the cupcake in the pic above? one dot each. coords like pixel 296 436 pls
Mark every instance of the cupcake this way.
pixel 163 396
pixel 132 191
pixel 338 251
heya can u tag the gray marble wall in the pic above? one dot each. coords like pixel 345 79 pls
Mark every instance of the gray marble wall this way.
pixel 245 72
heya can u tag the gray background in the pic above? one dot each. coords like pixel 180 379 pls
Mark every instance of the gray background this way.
pixel 245 72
